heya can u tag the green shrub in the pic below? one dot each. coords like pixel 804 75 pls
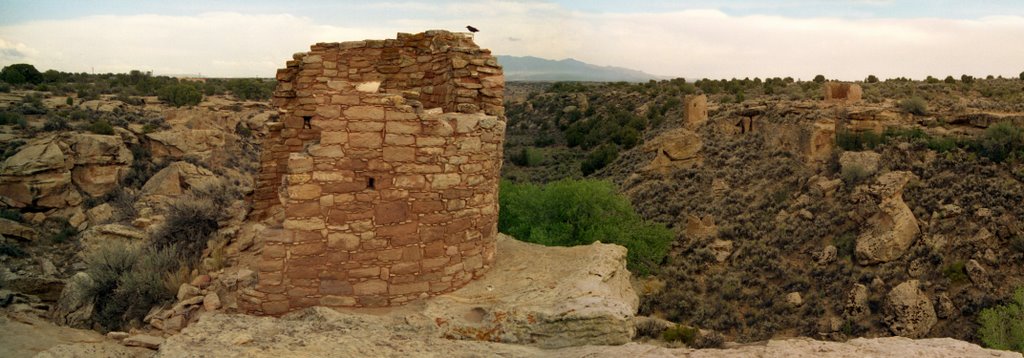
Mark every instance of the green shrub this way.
pixel 680 333
pixel 1022 76
pixel 845 244
pixel 871 79
pixel 579 212
pixel 854 174
pixel 1001 141
pixel 12 250
pixel 56 123
pixel 527 157
pixel 955 272
pixel 5 88
pixel 126 282
pixel 1002 327
pixel 941 144
pixel 819 79
pixel 914 105
pixel 191 220
pixel 12 118
pixel 11 214
pixel 858 141
pixel 1017 243
pixel 101 126
pixel 180 95
pixel 251 89
pixel 599 158
pixel 21 73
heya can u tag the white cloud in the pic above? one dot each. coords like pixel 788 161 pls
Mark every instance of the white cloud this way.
pixel 691 43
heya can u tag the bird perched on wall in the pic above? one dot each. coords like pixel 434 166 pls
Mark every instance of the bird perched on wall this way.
pixel 472 29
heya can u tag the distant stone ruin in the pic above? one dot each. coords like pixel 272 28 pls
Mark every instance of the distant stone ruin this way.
pixel 382 173
pixel 696 110
pixel 837 91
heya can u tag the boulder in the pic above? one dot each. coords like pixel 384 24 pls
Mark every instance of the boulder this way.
pixel 211 302
pixel 186 291
pixel 794 299
pixel 722 249
pixel 179 142
pixel 908 311
pixel 866 161
pixel 98 235
pixel 176 178
pixel 893 228
pixel 545 296
pixel 143 340
pixel 98 180
pixel 37 175
pixel 34 158
pixel 977 274
pixel 857 302
pixel 14 229
pixel 73 308
pixel 827 255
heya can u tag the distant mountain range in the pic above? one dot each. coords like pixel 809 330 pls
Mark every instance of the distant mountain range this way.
pixel 531 68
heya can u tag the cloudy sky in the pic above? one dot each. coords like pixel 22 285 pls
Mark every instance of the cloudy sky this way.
pixel 844 39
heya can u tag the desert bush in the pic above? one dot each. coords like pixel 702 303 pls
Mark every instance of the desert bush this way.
pixel 143 167
pixel 955 272
pixel 250 89
pixel 221 193
pixel 914 105
pixel 11 214
pixel 60 229
pixel 599 158
pixel 871 79
pixel 56 123
pixel 579 212
pixel 9 148
pixel 127 281
pixel 180 95
pixel 21 73
pixel 1002 327
pixel 854 174
pixel 819 79
pixel 12 250
pixel 680 333
pixel 11 118
pixel 527 157
pixel 941 144
pixel 101 126
pixel 857 141
pixel 845 244
pixel 1001 141
pixel 191 220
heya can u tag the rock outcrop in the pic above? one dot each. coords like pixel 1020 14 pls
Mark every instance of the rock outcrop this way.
pixel 543 296
pixel 894 227
pixel 678 148
pixel 909 311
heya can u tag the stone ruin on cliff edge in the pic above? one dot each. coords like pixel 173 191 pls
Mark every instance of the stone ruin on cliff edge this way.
pixel 381 173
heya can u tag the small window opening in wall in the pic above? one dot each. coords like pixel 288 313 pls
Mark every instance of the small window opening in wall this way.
pixel 307 122
pixel 370 183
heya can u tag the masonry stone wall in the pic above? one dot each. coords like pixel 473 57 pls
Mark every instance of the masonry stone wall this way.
pixel 382 172
pixel 838 91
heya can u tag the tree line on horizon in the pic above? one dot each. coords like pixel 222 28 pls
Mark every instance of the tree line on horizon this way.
pixel 129 87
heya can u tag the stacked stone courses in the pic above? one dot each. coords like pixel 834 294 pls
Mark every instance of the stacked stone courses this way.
pixel 382 172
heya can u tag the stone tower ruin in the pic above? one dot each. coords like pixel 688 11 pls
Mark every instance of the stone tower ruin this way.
pixel 381 174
